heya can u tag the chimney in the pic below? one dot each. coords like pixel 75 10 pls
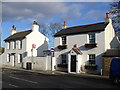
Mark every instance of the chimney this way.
pixel 13 31
pixel 35 26
pixel 64 23
pixel 107 18
pixel 107 15
pixel 64 26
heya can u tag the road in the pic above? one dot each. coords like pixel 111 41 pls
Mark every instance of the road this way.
pixel 22 79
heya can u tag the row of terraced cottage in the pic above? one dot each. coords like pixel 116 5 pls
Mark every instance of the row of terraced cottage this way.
pixel 79 49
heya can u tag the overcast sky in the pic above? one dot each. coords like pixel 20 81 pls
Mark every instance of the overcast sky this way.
pixel 22 14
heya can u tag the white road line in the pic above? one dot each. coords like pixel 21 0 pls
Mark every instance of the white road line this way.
pixel 23 79
pixel 13 85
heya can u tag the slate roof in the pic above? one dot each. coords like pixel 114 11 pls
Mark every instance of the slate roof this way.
pixel 18 35
pixel 77 50
pixel 112 53
pixel 82 29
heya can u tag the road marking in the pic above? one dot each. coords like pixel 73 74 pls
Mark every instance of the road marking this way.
pixel 13 85
pixel 23 79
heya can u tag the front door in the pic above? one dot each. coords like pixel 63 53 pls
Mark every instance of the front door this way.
pixel 73 63
pixel 29 66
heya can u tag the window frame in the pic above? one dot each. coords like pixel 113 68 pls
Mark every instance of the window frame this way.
pixel 19 58
pixel 8 45
pixel 63 58
pixel 64 40
pixel 19 44
pixel 92 59
pixel 8 57
pixel 13 45
pixel 92 38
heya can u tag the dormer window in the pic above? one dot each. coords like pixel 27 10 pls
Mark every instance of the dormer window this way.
pixel 63 40
pixel 92 38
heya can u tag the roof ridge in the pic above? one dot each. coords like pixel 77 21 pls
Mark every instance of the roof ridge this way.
pixel 17 35
pixel 23 31
pixel 84 25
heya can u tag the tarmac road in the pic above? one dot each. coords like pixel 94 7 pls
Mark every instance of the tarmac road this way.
pixel 22 79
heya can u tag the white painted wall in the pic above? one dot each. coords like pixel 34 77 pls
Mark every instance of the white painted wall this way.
pixel 81 39
pixel 38 63
pixel 35 37
pixel 41 42
pixel 103 40
pixel 16 51
pixel 109 37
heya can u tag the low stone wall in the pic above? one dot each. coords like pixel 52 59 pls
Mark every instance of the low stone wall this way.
pixel 106 65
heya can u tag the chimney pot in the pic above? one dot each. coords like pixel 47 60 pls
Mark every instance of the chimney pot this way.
pixel 34 22
pixel 13 26
pixel 107 15
pixel 13 31
pixel 35 26
pixel 64 23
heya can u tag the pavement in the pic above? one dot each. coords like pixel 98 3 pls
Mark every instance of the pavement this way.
pixel 57 73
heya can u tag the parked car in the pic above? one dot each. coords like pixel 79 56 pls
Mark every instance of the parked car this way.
pixel 115 70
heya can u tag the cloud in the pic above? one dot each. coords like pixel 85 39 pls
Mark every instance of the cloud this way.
pixel 95 15
pixel 38 10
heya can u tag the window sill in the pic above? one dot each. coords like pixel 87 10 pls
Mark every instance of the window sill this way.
pixel 20 49
pixel 63 65
pixel 90 45
pixel 62 46
pixel 91 67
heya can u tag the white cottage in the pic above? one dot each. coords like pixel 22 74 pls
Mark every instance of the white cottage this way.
pixel 80 48
pixel 22 47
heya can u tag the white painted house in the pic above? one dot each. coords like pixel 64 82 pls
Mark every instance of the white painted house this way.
pixel 80 48
pixel 24 48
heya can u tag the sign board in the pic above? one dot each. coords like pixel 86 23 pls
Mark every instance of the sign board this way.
pixel 33 45
pixel 52 50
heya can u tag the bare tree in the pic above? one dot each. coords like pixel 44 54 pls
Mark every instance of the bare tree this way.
pixel 43 29
pixel 53 28
pixel 115 12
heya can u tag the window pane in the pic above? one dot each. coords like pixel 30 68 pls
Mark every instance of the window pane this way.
pixel 92 38
pixel 63 57
pixel 64 40
pixel 91 58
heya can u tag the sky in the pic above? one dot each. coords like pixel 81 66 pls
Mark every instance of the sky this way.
pixel 22 14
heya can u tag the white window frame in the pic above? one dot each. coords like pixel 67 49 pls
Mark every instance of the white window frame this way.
pixel 8 45
pixel 65 40
pixel 65 59
pixel 90 39
pixel 19 44
pixel 8 57
pixel 13 45
pixel 92 59
pixel 60 40
pixel 19 58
